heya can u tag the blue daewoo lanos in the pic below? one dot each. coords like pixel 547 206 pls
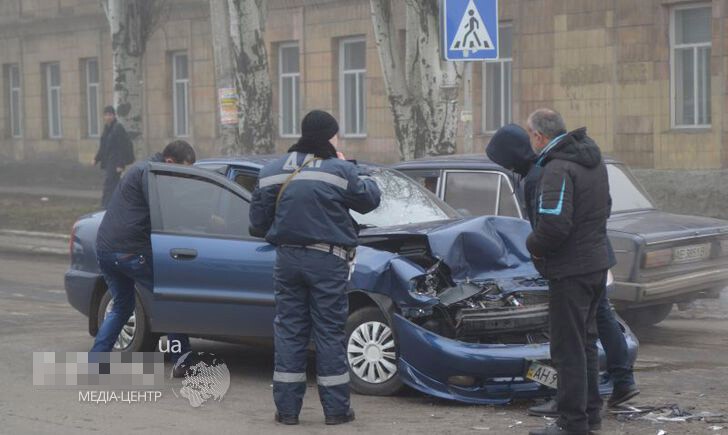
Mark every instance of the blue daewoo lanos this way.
pixel 450 306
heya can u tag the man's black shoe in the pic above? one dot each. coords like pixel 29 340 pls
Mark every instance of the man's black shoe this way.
pixel 547 409
pixel 555 429
pixel 179 369
pixel 340 419
pixel 622 394
pixel 287 419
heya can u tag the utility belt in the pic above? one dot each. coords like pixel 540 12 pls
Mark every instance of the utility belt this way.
pixel 346 254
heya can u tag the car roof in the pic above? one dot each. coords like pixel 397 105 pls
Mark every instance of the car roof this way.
pixel 458 161
pixel 256 161
pixel 248 160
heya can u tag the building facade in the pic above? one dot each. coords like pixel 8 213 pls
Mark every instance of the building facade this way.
pixel 647 77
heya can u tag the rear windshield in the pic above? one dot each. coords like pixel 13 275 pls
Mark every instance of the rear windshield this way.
pixel 627 193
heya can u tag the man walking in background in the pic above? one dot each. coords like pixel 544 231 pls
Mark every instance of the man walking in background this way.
pixel 116 151
pixel 569 247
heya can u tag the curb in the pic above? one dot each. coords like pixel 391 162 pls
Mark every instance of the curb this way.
pixel 35 234
pixel 34 243
pixel 34 250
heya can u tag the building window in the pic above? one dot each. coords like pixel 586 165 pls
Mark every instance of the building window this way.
pixel 497 82
pixel 289 74
pixel 352 72
pixel 12 72
pixel 52 72
pixel 690 37
pixel 92 97
pixel 180 94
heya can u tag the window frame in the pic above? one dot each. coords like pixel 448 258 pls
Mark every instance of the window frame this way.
pixel 95 88
pixel 501 61
pixel 50 89
pixel 360 75
pixel 296 89
pixel 14 68
pixel 694 47
pixel 442 187
pixel 157 214
pixel 186 83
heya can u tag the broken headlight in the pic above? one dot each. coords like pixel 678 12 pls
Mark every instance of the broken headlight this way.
pixel 433 281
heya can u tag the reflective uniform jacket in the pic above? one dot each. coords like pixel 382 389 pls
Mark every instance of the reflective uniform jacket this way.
pixel 314 206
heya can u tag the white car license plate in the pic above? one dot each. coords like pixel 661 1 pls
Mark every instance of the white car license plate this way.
pixel 543 374
pixel 686 254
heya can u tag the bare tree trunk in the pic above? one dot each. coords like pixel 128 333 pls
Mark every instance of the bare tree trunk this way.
pixel 228 141
pixel 422 89
pixel 131 23
pixel 250 58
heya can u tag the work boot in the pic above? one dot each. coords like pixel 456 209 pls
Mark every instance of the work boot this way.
pixel 622 394
pixel 182 363
pixel 286 419
pixel 341 419
pixel 555 429
pixel 546 409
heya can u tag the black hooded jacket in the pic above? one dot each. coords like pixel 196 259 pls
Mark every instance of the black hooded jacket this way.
pixel 510 147
pixel 571 210
pixel 126 227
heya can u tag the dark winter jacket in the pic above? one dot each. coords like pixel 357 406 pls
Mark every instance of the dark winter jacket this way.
pixel 510 147
pixel 126 226
pixel 116 149
pixel 314 207
pixel 573 205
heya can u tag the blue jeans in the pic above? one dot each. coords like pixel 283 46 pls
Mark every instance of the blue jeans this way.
pixel 614 344
pixel 121 271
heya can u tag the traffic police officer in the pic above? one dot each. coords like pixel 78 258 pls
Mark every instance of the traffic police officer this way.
pixel 302 205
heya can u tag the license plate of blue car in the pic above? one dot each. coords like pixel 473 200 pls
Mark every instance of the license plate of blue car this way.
pixel 542 373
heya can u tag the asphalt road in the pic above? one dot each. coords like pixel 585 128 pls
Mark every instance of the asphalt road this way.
pixel 682 361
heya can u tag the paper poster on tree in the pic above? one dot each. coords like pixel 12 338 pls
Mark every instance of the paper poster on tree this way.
pixel 228 100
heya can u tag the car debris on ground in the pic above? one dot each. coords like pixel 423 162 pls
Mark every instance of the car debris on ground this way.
pixel 668 413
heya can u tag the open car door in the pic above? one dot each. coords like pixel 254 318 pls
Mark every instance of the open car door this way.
pixel 211 277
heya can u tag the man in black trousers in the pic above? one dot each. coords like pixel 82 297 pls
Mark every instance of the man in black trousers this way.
pixel 569 247
pixel 116 151
pixel 511 148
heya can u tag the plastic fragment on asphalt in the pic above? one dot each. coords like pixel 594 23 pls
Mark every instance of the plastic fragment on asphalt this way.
pixel 716 428
pixel 661 432
pixel 665 413
pixel 518 422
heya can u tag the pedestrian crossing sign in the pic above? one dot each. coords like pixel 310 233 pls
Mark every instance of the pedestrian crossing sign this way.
pixel 469 29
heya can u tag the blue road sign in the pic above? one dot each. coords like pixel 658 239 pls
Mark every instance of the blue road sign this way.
pixel 469 29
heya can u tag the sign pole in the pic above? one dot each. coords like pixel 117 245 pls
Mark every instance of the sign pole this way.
pixel 467 113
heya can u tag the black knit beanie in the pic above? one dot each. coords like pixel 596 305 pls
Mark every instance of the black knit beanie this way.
pixel 317 128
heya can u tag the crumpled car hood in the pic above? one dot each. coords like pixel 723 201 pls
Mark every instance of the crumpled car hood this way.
pixel 485 248
pixel 479 248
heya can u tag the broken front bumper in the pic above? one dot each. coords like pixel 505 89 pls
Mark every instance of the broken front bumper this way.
pixel 432 364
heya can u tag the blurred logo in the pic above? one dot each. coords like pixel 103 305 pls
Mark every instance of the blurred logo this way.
pixel 206 377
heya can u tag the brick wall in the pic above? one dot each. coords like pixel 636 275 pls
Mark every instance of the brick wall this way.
pixel 603 64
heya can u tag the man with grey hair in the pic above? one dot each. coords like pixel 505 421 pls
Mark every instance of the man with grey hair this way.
pixel 569 247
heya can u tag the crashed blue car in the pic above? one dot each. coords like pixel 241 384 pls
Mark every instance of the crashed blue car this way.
pixel 447 305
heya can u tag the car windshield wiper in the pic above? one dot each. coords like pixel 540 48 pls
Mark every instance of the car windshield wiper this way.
pixel 365 226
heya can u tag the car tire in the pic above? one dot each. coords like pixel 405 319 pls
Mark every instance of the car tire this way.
pixel 141 338
pixel 647 316
pixel 371 353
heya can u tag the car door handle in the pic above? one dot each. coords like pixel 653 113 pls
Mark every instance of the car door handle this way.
pixel 183 253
